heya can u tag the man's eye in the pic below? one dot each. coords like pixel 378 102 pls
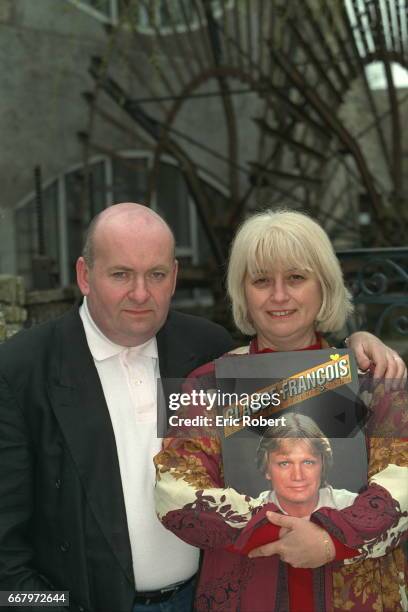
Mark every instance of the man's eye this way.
pixel 119 275
pixel 158 275
pixel 309 462
pixel 283 464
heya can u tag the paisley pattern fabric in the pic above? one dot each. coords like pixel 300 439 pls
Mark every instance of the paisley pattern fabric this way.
pixel 193 503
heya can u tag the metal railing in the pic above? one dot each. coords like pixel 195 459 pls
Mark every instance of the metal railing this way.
pixel 378 281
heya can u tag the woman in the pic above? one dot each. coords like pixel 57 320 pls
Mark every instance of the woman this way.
pixel 286 288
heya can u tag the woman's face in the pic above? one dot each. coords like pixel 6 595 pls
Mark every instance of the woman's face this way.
pixel 282 307
pixel 295 472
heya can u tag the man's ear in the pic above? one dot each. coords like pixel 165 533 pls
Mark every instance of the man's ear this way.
pixel 175 272
pixel 82 273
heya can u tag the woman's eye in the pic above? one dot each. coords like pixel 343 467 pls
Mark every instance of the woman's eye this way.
pixel 297 277
pixel 260 281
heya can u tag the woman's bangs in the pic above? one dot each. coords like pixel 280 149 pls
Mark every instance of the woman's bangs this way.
pixel 277 250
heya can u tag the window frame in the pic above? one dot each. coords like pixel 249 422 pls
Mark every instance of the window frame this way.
pixel 191 252
pixel 114 17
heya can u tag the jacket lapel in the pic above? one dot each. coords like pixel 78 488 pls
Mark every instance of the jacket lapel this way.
pixel 80 407
pixel 176 361
pixel 176 358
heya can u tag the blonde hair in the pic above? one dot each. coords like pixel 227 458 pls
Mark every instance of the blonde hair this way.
pixel 275 237
pixel 298 427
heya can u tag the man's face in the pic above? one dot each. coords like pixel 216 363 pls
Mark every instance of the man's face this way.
pixel 295 473
pixel 131 282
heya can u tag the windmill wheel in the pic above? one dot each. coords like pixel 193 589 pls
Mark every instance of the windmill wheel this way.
pixel 272 98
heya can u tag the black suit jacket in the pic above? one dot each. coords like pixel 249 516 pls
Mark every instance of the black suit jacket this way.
pixel 62 514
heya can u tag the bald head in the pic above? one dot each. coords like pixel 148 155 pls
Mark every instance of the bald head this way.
pixel 128 273
pixel 125 215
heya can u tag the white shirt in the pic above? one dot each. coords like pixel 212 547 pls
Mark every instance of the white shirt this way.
pixel 328 498
pixel 129 378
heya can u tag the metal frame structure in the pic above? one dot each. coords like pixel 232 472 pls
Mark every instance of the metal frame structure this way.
pixel 298 61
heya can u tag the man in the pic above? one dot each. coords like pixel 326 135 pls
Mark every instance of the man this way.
pixel 296 458
pixel 78 427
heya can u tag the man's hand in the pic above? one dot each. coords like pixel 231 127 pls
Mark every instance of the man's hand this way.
pixel 301 543
pixel 388 364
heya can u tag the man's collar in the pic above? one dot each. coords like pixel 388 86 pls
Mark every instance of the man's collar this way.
pixel 102 348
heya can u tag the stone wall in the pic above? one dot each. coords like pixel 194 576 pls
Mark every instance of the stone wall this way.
pixel 13 313
pixel 20 308
pixel 46 304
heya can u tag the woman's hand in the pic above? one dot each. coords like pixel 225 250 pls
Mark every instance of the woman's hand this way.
pixel 388 364
pixel 301 543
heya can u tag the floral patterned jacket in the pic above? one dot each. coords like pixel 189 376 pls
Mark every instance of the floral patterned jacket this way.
pixel 191 501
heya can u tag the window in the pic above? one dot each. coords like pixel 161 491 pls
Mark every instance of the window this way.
pixel 160 14
pixel 105 10
pixel 70 201
pixel 173 204
pixel 150 14
pixel 25 220
pixel 129 179
pixel 50 225
pixel 82 202
pixel 27 233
